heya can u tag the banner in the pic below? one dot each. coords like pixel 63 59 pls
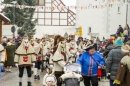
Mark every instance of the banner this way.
pixel 94 5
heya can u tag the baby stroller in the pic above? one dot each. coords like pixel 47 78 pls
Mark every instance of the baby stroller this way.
pixel 72 76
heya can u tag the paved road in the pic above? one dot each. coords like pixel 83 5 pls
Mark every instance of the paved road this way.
pixel 11 79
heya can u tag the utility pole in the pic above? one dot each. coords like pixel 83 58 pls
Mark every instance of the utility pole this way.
pixel 14 20
pixel 126 12
pixel 14 3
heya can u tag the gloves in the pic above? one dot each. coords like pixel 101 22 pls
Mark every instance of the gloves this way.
pixel 116 82
pixel 51 66
pixel 108 74
pixel 100 66
pixel 65 69
pixel 77 53
pixel 44 64
pixel 33 64
pixel 16 65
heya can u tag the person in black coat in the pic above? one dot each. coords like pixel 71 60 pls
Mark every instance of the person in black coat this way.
pixel 119 31
pixel 109 46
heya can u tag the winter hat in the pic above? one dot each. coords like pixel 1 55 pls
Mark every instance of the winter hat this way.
pixel 119 41
pixel 89 47
pixel 9 44
pixel 125 48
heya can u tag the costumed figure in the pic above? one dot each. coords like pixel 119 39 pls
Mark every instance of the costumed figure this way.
pixel 54 48
pixel 38 53
pixel 81 47
pixel 123 72
pixel 49 79
pixel 45 51
pixel 72 50
pixel 10 50
pixel 2 57
pixel 50 43
pixel 25 58
pixel 59 58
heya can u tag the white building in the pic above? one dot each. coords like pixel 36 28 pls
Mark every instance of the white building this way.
pixel 101 21
pixel 57 21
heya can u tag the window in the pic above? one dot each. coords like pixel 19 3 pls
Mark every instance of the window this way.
pixel 118 10
pixel 41 2
pixel 89 30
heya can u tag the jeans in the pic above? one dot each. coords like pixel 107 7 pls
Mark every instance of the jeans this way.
pixel 111 83
pixel 94 80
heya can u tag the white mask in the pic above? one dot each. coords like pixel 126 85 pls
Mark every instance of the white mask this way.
pixel 26 42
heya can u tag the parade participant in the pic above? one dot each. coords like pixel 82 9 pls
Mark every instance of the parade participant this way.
pixel 49 79
pixel 38 53
pixel 45 50
pixel 10 50
pixel 49 50
pixel 59 57
pixel 80 48
pixel 51 43
pixel 90 61
pixel 25 58
pixel 55 45
pixel 81 45
pixel 123 72
pixel 72 49
pixel 2 56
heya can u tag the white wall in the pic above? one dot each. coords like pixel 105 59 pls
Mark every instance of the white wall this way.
pixel 6 31
pixel 54 30
pixel 129 14
pixel 103 21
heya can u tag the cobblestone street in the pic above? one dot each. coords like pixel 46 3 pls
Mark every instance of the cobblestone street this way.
pixel 11 79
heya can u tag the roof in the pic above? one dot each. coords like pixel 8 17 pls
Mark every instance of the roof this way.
pixel 4 18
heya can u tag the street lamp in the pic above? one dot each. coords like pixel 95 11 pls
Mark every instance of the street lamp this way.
pixel 14 3
pixel 127 9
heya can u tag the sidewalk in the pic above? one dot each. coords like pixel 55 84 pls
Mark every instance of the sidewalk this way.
pixel 11 79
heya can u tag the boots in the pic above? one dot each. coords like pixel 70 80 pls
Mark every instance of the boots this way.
pixel 29 84
pixel 35 77
pixel 38 77
pixel 20 83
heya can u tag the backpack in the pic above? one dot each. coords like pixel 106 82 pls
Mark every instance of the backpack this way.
pixel 71 82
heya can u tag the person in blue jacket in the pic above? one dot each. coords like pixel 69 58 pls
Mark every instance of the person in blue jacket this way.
pixel 90 62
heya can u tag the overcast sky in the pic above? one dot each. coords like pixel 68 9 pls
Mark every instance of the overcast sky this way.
pixel 70 3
